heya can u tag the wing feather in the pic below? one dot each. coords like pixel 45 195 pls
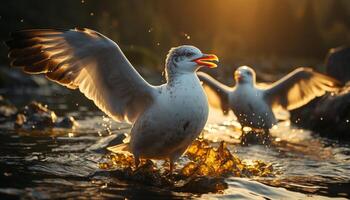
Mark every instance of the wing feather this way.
pixel 217 92
pixel 84 59
pixel 298 88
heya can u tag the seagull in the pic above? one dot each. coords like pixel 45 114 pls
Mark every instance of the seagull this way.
pixel 165 119
pixel 253 105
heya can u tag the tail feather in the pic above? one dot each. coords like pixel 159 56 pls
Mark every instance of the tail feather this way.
pixel 120 148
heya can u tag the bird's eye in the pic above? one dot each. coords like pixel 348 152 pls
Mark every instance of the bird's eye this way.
pixel 189 54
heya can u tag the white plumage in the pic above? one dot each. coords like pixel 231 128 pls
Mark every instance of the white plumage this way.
pixel 166 118
pixel 253 105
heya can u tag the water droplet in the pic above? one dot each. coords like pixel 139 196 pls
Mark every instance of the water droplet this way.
pixel 82 1
pixel 247 129
pixel 92 14
pixel 106 119
pixel 187 36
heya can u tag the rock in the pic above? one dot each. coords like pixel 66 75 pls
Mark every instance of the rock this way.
pixel 37 116
pixel 337 63
pixel 7 110
pixel 67 122
pixel 20 120
pixel 33 116
pixel 328 115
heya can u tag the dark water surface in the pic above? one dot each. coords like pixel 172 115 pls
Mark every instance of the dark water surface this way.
pixel 63 163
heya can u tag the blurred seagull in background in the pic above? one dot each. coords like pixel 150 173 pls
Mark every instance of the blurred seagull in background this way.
pixel 165 118
pixel 254 105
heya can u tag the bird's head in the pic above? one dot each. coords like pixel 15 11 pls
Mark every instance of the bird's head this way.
pixel 186 58
pixel 244 74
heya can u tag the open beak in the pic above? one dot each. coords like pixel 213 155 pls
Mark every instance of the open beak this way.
pixel 238 75
pixel 207 60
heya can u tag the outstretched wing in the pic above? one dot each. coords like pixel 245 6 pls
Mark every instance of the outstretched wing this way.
pixel 298 88
pixel 84 59
pixel 218 93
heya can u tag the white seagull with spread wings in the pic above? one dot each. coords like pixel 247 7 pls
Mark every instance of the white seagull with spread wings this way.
pixel 165 118
pixel 253 105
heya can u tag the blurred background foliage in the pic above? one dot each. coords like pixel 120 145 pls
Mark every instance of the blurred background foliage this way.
pixel 270 35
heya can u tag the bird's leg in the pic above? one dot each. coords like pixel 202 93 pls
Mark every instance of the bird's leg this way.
pixel 137 161
pixel 171 166
pixel 243 137
pixel 267 131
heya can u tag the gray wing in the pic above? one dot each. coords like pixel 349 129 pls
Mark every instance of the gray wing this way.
pixel 218 93
pixel 84 59
pixel 298 88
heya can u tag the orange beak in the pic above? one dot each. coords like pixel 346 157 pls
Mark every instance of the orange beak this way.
pixel 238 75
pixel 206 60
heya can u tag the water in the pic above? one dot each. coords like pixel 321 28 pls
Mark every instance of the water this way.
pixel 63 163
